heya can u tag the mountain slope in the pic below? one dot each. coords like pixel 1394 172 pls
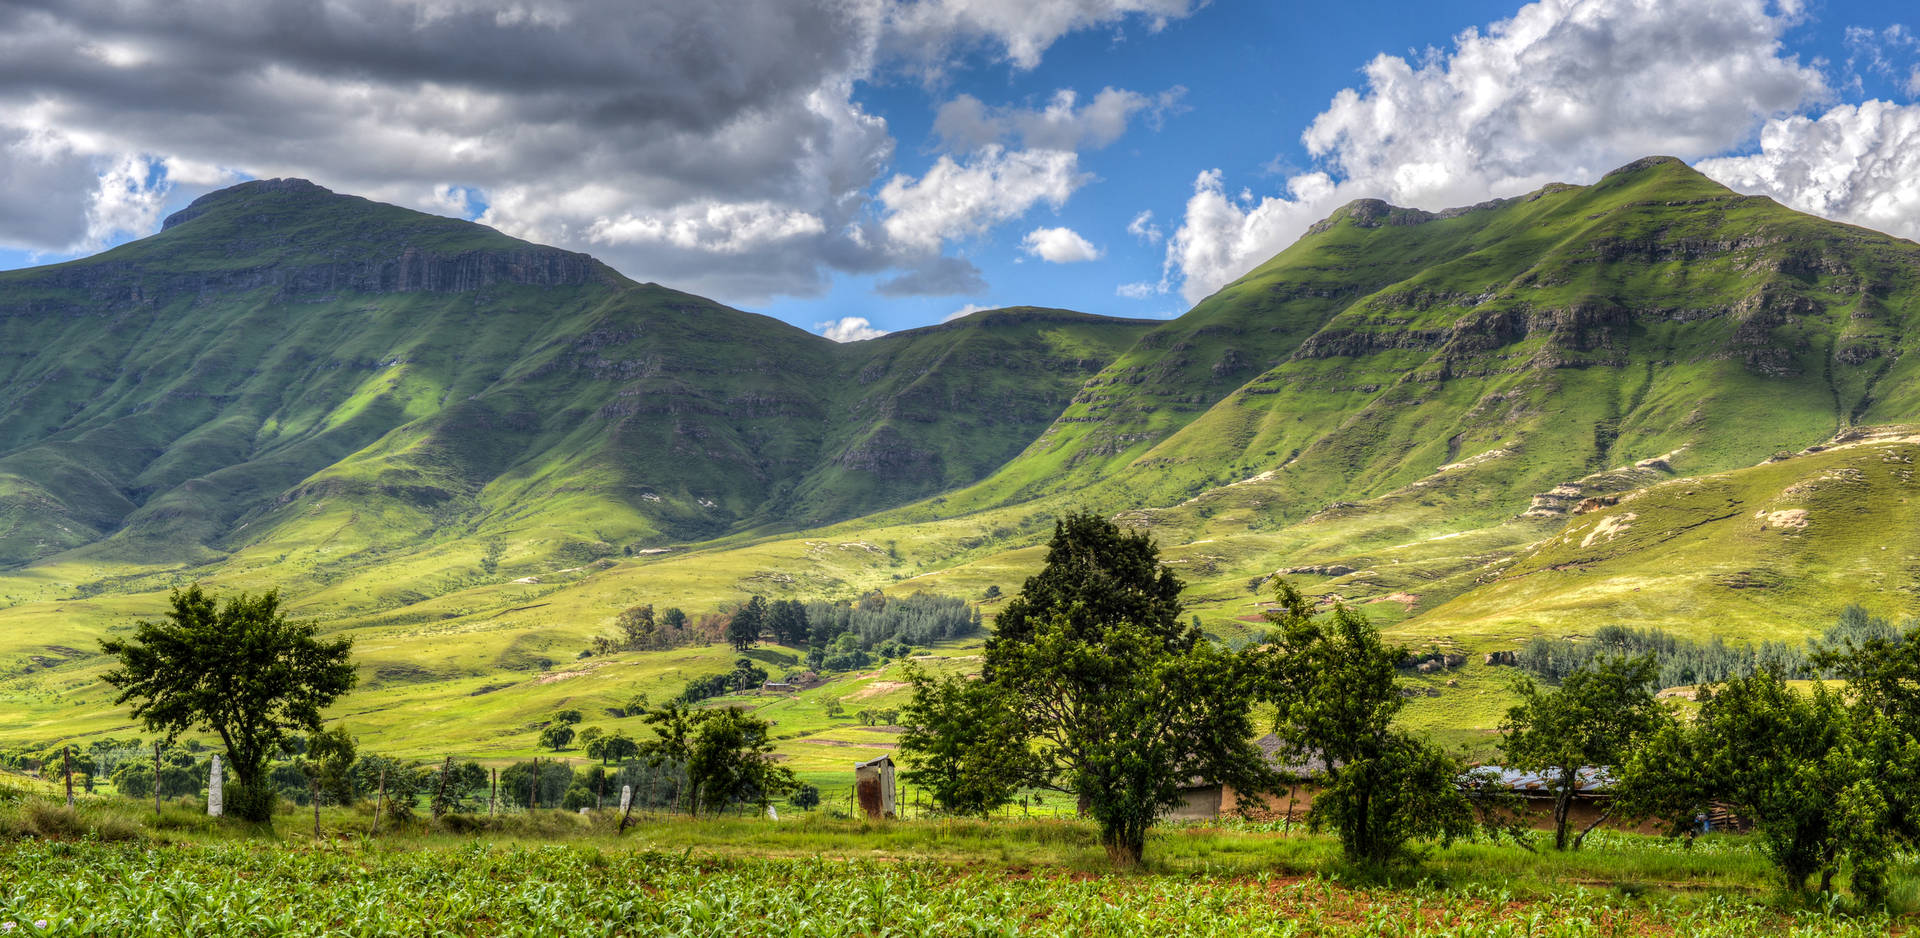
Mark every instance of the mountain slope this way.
pixel 332 377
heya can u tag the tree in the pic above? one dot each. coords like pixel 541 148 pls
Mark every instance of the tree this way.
pixel 329 764
pixel 1116 699
pixel 635 705
pixel 805 797
pixel 787 619
pixel 1332 681
pixel 728 755
pixel 568 717
pixel 1815 777
pixel 618 747
pixel 1099 574
pixel 556 736
pixel 673 620
pixel 967 744
pixel 591 734
pixel 636 627
pixel 239 670
pixel 1596 718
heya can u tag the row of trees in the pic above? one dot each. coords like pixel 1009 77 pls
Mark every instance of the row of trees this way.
pixel 838 636
pixel 1681 661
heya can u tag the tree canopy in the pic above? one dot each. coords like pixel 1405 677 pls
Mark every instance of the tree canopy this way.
pixel 1596 718
pixel 239 670
pixel 1096 688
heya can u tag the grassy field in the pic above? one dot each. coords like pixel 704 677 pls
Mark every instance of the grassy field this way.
pixel 111 868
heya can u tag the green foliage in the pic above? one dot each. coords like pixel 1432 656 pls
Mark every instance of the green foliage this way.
pixel 518 785
pixel 556 736
pixel 1331 681
pixel 1098 690
pixel 1097 574
pixel 747 622
pixel 569 716
pixel 240 671
pixel 965 743
pixel 1817 779
pixel 1593 721
pixel 805 797
pixel 1677 661
pixel 727 755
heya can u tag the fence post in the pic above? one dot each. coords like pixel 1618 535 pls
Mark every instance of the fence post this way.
pixel 493 791
pixel 379 800
pixel 66 769
pixel 156 778
pixel 533 790
pixel 313 795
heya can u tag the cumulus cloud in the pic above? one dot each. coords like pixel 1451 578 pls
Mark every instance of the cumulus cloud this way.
pixel 1858 163
pixel 965 123
pixel 680 139
pixel 1059 246
pixel 1142 227
pixel 849 329
pixel 956 199
pixel 1139 291
pixel 1563 91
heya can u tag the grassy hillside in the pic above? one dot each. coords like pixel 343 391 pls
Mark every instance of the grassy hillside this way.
pixel 1534 416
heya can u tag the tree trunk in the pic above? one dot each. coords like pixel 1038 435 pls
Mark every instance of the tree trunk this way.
pixel 1602 819
pixel 1125 846
pixel 1562 801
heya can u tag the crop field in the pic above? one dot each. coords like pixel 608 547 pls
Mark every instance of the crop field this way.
pixel 251 889
pixel 110 868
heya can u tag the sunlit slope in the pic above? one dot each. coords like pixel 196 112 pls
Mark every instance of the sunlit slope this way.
pixel 289 376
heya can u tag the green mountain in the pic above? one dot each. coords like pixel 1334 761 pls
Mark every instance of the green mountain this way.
pixel 340 379
pixel 1649 400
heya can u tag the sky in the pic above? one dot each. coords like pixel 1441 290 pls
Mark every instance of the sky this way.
pixel 861 166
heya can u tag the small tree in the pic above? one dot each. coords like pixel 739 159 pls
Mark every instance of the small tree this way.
pixel 965 743
pixel 1332 681
pixel 743 629
pixel 239 670
pixel 568 717
pixel 1595 719
pixel 556 736
pixel 635 706
pixel 728 755
pixel 590 735
pixel 806 797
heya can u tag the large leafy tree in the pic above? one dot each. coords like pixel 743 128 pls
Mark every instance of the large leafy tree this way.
pixel 1096 574
pixel 239 670
pixel 1818 779
pixel 1332 681
pixel 1596 718
pixel 1093 686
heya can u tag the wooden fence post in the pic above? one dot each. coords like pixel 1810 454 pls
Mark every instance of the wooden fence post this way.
pixel 533 790
pixel 493 792
pixel 379 800
pixel 66 769
pixel 156 778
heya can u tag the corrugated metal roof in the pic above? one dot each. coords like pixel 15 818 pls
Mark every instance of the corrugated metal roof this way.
pixel 1589 780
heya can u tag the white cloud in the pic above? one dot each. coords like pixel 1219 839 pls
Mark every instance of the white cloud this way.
pixel 1855 163
pixel 1563 91
pixel 1142 227
pixel 965 123
pixel 965 311
pixel 849 329
pixel 954 199
pixel 1059 246
pixel 934 28
pixel 681 140
pixel 1139 291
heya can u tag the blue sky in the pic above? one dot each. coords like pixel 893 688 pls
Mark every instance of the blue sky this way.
pixel 853 166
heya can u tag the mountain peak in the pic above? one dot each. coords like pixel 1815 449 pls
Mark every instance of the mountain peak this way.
pixel 241 193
